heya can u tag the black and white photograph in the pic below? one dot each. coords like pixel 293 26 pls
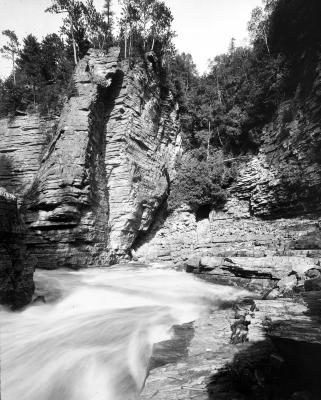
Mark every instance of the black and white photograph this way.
pixel 160 199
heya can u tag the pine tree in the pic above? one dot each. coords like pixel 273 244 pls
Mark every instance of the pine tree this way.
pixel 29 62
pixel 74 10
pixel 10 50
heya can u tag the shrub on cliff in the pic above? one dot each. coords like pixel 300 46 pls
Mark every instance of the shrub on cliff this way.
pixel 201 182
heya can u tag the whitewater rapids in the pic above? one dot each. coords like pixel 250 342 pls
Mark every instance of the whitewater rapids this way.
pixel 93 338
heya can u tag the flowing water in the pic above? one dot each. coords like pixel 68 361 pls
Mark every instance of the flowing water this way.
pixel 94 336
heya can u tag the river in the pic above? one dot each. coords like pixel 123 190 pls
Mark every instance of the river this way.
pixel 94 337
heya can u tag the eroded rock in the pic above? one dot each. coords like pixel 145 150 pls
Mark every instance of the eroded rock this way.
pixel 16 265
pixel 108 167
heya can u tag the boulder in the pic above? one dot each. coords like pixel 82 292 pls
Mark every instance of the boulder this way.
pixel 313 273
pixel 288 283
pixel 193 263
pixel 209 263
pixel 312 285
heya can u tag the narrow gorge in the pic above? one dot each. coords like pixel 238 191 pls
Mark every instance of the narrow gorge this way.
pixel 160 235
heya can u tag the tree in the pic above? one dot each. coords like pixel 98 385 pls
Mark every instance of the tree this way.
pixel 108 13
pixel 201 183
pixel 30 62
pixel 98 30
pixel 128 23
pixel 162 19
pixel 53 58
pixel 10 50
pixel 231 48
pixel 149 21
pixel 74 9
pixel 258 26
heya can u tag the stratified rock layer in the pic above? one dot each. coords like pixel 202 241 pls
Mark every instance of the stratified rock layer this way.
pixel 23 140
pixel 16 266
pixel 108 168
pixel 284 179
pixel 272 214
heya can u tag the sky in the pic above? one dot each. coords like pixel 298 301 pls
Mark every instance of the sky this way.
pixel 204 28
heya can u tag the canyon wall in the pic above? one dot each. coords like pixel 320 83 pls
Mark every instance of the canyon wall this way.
pixel 273 209
pixel 16 264
pixel 23 140
pixel 95 187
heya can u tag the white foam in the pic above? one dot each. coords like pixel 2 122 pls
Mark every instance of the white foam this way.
pixel 96 341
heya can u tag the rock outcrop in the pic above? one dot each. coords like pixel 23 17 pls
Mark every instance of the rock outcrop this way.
pixel 284 179
pixel 23 140
pixel 271 218
pixel 235 248
pixel 16 265
pixel 231 232
pixel 107 169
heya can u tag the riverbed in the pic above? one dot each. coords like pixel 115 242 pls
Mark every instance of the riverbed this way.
pixel 98 333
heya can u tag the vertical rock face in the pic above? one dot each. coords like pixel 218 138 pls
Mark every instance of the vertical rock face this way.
pixel 141 148
pixel 108 167
pixel 275 202
pixel 16 266
pixel 284 179
pixel 23 140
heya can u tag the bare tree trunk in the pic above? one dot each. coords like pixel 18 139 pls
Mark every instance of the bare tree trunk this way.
pixel 34 95
pixel 218 89
pixel 153 44
pixel 266 41
pixel 14 69
pixel 73 41
pixel 208 140
pixel 125 46
pixel 108 14
pixel 219 137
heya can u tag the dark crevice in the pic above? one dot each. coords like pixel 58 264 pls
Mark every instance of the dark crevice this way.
pixel 203 212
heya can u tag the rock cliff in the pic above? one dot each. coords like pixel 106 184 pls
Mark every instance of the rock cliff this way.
pixel 16 265
pixel 284 179
pixel 23 140
pixel 274 202
pixel 107 169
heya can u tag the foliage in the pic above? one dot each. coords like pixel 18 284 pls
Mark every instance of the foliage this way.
pixel 145 25
pixel 201 181
pixel 42 77
pixel 226 109
pixel 84 26
pixel 10 50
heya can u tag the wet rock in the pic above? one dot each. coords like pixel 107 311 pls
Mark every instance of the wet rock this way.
pixel 304 395
pixel 210 263
pixel 16 265
pixel 312 285
pixel 288 283
pixel 193 264
pixel 240 330
pixel 313 273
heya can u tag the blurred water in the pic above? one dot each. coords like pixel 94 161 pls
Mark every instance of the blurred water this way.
pixel 94 339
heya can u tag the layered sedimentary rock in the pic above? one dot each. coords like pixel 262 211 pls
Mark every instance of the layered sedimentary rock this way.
pixel 16 265
pixel 23 140
pixel 273 209
pixel 108 167
pixel 284 179
pixel 231 232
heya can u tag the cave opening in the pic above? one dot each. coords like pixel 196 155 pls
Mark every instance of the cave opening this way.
pixel 203 212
